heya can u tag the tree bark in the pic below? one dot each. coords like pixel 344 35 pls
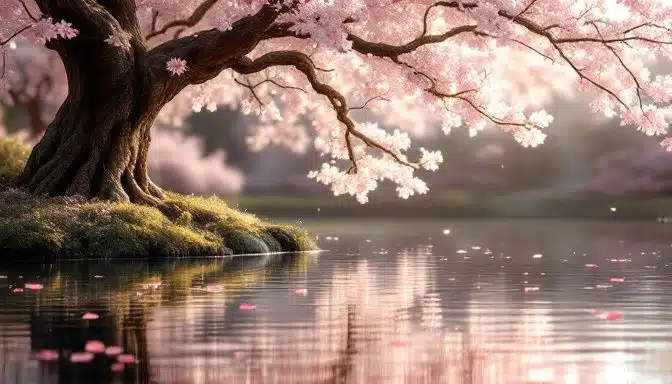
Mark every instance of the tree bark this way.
pixel 98 143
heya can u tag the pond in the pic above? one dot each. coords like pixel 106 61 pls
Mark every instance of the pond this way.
pixel 385 302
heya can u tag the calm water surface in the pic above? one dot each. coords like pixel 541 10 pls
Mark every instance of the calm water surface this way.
pixel 387 302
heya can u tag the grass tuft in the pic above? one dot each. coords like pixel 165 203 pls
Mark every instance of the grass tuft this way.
pixel 45 228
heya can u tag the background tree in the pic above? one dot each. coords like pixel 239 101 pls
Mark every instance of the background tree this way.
pixel 129 64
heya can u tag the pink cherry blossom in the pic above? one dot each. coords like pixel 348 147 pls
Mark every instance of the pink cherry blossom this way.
pixel 440 67
pixel 176 66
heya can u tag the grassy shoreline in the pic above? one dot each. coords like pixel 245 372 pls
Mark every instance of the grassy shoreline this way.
pixel 40 228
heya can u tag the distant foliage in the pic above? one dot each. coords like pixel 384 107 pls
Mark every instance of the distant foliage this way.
pixel 414 64
pixel 13 156
pixel 177 161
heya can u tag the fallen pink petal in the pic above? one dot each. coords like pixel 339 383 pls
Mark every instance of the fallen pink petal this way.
pixel 126 359
pixel 94 346
pixel 247 307
pixel 98 277
pixel 214 288
pixel 591 265
pixel 531 289
pixel 90 316
pixel 81 357
pixel 33 286
pixel 2 277
pixel 616 279
pixel 117 367
pixel 610 315
pixel 301 292
pixel 47 355
pixel 113 350
pixel 17 290
pixel 151 285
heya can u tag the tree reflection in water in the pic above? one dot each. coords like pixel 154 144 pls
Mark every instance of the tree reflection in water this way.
pixel 397 321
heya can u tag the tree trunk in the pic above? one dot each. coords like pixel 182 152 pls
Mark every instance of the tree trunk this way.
pixel 98 142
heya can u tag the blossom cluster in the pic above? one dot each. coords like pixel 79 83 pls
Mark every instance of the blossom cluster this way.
pixel 475 65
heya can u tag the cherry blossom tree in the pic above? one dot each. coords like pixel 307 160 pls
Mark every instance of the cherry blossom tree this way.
pixel 414 64
pixel 37 87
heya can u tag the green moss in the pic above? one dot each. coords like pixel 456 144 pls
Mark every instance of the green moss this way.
pixel 13 156
pixel 43 228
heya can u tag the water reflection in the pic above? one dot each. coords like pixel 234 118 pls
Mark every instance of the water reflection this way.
pixel 394 306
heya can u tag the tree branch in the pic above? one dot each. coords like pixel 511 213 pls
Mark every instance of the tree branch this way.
pixel 302 62
pixel 207 53
pixel 190 21
pixel 25 8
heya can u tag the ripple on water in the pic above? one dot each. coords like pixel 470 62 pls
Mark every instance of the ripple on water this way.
pixel 398 304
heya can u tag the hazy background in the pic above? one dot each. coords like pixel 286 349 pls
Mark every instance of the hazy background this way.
pixel 582 157
pixel 588 167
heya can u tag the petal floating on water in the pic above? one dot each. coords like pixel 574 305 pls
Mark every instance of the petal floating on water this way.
pixel 591 265
pixel 81 357
pixel 90 316
pixel 33 286
pixel 610 315
pixel 301 292
pixel 617 279
pixel 126 359
pixel 247 307
pixel 113 350
pixel 47 355
pixel 94 346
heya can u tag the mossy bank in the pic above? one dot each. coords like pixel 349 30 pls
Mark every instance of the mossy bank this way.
pixel 48 228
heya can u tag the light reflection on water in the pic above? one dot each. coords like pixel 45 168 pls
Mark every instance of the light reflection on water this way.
pixel 387 303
